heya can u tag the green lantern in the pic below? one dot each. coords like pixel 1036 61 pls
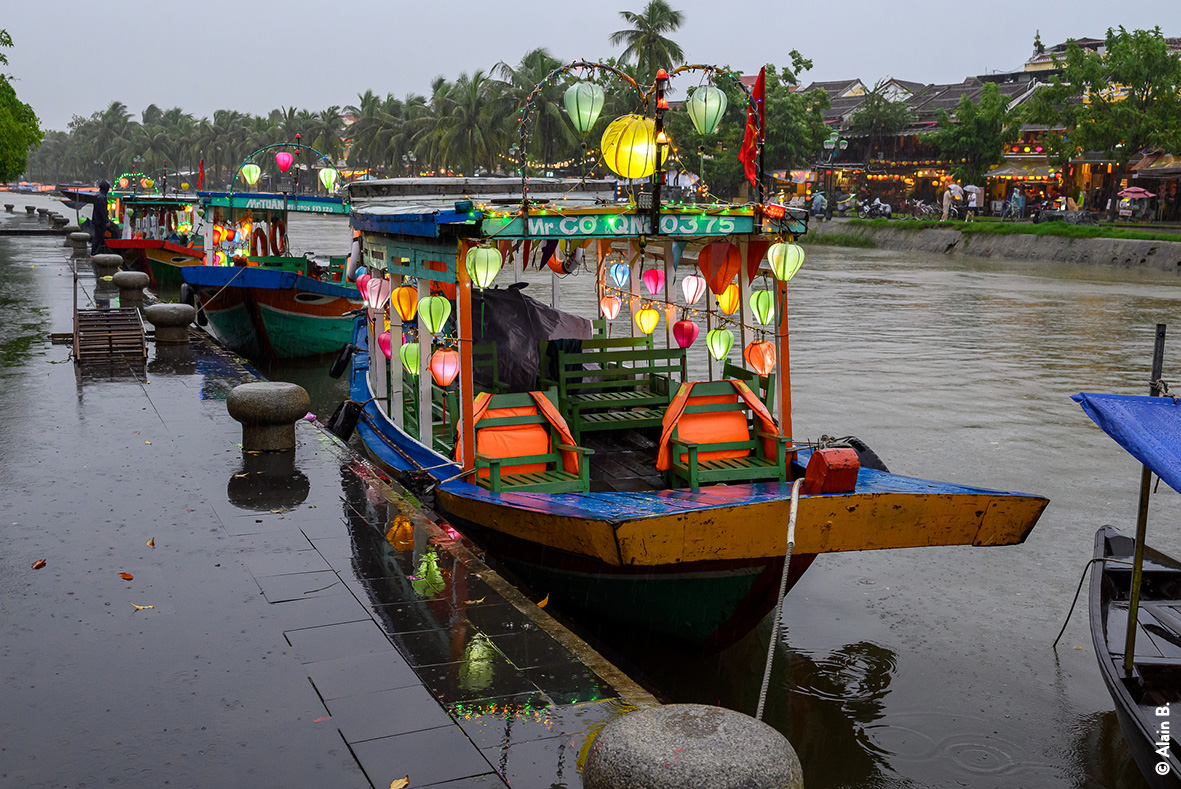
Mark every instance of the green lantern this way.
pixel 483 264
pixel 251 173
pixel 762 304
pixel 434 311
pixel 785 260
pixel 584 102
pixel 410 358
pixel 719 341
pixel 706 107
pixel 328 178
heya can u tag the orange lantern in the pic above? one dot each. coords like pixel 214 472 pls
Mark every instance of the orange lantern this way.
pixel 609 306
pixel 444 366
pixel 728 299
pixel 760 355
pixel 405 301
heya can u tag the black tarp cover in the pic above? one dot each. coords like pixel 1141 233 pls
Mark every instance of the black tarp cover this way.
pixel 515 322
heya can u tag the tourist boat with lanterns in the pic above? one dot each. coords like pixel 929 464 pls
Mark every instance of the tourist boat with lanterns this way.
pixel 613 463
pixel 257 297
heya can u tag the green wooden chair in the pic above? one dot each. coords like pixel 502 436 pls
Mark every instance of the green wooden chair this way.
pixel 761 385
pixel 689 467
pixel 554 478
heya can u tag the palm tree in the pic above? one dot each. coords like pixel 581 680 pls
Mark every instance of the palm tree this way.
pixel 471 130
pixel 646 45
pixel 553 135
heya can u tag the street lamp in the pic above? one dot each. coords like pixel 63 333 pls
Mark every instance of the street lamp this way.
pixel 408 160
pixel 832 145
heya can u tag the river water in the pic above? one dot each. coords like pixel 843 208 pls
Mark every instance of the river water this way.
pixel 923 667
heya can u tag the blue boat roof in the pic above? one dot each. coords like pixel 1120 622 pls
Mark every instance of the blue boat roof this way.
pixel 1149 428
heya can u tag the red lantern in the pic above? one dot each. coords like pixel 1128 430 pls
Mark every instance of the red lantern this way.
pixel 609 306
pixel 760 355
pixel 653 280
pixel 685 333
pixel 444 366
pixel 284 160
pixel 361 280
pixel 383 342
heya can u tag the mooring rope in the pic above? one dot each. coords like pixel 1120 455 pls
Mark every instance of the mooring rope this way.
pixel 1082 578
pixel 791 541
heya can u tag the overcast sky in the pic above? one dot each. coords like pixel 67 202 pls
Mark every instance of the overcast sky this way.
pixel 75 58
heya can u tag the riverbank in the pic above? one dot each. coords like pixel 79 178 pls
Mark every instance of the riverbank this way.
pixel 1061 245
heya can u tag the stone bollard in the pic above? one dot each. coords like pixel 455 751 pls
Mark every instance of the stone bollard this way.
pixel 81 244
pixel 8 208
pixel 43 214
pixel 131 286
pixel 268 412
pixel 107 265
pixel 60 221
pixel 30 209
pixel 682 745
pixel 171 322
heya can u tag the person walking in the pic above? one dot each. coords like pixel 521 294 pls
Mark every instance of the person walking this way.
pixel 947 198
pixel 971 206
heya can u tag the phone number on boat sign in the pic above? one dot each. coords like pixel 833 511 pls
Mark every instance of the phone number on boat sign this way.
pixel 605 226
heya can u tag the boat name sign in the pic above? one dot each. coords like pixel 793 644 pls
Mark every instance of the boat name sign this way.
pixel 606 225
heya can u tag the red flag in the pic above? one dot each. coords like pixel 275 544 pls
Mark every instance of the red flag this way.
pixel 748 153
pixel 200 175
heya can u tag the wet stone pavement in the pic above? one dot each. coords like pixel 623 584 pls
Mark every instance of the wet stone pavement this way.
pixel 210 617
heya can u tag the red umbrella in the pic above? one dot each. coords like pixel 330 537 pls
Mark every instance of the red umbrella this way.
pixel 1136 193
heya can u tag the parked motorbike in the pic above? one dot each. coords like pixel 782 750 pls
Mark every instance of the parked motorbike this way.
pixel 874 210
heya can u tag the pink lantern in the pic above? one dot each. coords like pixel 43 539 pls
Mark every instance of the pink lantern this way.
pixel 361 280
pixel 444 366
pixel 383 342
pixel 653 280
pixel 685 333
pixel 609 306
pixel 284 160
pixel 693 287
pixel 377 293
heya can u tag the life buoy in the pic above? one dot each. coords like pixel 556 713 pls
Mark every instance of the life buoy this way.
pixel 258 239
pixel 278 237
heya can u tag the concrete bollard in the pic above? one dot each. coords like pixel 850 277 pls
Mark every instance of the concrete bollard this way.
pixel 131 286
pixel 81 244
pixel 8 208
pixel 42 213
pixel 171 322
pixel 268 412
pixel 60 221
pixel 107 265
pixel 681 745
pixel 30 209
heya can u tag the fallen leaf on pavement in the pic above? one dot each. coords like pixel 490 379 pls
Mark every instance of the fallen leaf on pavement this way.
pixel 400 783
pixel 544 602
pixel 473 602
pixel 152 543
pixel 37 565
pixel 142 607
pixel 147 442
pixel 129 576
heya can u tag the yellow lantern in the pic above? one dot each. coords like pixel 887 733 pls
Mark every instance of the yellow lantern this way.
pixel 728 299
pixel 647 319
pixel 629 146
pixel 405 301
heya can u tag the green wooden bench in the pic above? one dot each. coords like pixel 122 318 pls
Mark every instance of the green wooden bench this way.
pixel 555 479
pixel 486 368
pixel 761 385
pixel 754 467
pixel 630 388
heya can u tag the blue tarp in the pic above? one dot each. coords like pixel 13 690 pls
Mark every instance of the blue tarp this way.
pixel 1148 427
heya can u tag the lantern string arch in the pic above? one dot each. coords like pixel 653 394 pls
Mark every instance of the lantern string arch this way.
pixel 286 146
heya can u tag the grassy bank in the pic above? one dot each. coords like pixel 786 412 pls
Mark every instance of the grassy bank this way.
pixel 1060 229
pixel 836 240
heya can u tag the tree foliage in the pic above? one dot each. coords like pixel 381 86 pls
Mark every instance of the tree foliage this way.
pixel 878 117
pixel 20 130
pixel 975 134
pixel 647 46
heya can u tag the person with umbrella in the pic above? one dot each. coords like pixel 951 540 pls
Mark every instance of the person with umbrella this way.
pixel 973 197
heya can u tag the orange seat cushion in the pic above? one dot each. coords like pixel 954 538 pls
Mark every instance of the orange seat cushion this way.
pixel 714 428
pixel 512 441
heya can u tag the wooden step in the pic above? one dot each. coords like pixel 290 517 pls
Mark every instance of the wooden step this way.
pixel 109 335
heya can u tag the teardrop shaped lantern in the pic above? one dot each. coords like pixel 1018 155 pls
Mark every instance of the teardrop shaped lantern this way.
pixel 719 342
pixel 483 264
pixel 609 306
pixel 706 106
pixel 284 160
pixel 377 293
pixel 785 260
pixel 760 355
pixel 434 310
pixel 221 258
pixel 328 178
pixel 620 273
pixel 762 304
pixel 728 299
pixel 405 300
pixel 647 319
pixel 693 286
pixel 653 280
pixel 584 102
pixel 444 366
pixel 383 342
pixel 685 333
pixel 361 280
pixel 408 353
pixel 184 185
pixel 629 147
pixel 251 173
pixel 123 183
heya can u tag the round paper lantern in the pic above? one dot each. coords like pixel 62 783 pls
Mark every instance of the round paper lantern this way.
pixel 706 106
pixel 620 273
pixel 217 234
pixel 377 293
pixel 284 160
pixel 383 342
pixel 693 286
pixel 760 355
pixel 483 264
pixel 444 366
pixel 409 356
pixel 361 280
pixel 434 310
pixel 719 342
pixel 405 301
pixel 609 306
pixel 629 146
pixel 147 183
pixel 762 304
pixel 685 333
pixel 647 319
pixel 728 299
pixel 251 173
pixel 328 178
pixel 653 280
pixel 221 258
pixel 785 260
pixel 584 102
pixel 123 183
pixel 184 185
